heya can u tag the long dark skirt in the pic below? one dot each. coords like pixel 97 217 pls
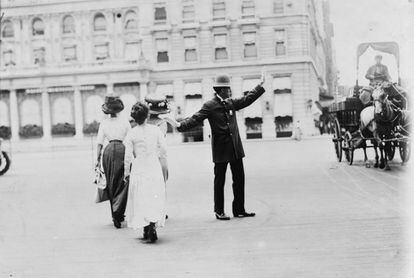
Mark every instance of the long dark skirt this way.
pixel 113 165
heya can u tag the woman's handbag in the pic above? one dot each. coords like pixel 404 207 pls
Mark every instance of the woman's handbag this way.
pixel 100 182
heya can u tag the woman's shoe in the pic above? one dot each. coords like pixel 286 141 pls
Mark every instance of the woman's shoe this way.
pixel 152 233
pixel 222 216
pixel 145 235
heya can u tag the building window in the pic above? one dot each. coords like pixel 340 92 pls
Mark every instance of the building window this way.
pixel 220 51
pixel 250 49
pixel 188 11
pixel 280 42
pixel 283 106
pixel 160 14
pixel 69 53
pixel 102 51
pixel 190 48
pixel 68 25
pixel 7 30
pixel 278 7
pixel 162 50
pixel 248 8
pixel 38 27
pixel 99 23
pixel 219 9
pixel 132 51
pixel 8 58
pixel 131 22
pixel 39 56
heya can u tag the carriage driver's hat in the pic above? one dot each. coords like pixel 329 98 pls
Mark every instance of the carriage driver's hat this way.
pixel 222 81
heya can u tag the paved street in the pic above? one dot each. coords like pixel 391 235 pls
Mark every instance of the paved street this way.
pixel 315 218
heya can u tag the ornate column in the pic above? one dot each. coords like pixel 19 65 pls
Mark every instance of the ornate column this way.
pixel 143 90
pixel 14 115
pixel 78 112
pixel 47 132
pixel 268 126
pixel 109 88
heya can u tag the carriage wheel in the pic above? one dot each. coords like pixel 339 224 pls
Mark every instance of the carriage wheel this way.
pixel 337 139
pixel 391 151
pixel 4 163
pixel 405 150
pixel 349 148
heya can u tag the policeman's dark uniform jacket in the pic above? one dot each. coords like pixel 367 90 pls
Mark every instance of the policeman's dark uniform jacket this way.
pixel 226 143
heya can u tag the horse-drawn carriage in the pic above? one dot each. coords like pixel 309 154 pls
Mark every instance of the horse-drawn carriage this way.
pixel 4 160
pixel 381 118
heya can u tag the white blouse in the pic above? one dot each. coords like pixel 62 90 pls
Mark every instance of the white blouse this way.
pixel 113 129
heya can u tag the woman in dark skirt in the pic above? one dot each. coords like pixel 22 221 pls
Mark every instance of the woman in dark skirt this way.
pixel 114 129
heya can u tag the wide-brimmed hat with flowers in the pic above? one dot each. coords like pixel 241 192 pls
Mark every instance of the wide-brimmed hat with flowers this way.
pixel 112 105
pixel 158 104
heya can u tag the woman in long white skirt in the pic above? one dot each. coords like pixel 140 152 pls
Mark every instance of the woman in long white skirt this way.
pixel 146 170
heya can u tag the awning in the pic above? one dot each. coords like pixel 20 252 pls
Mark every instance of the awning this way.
pixel 387 47
pixel 255 109
pixel 164 90
pixel 192 105
pixel 282 84
pixel 192 89
pixel 283 105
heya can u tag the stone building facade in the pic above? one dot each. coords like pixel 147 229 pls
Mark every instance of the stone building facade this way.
pixel 59 59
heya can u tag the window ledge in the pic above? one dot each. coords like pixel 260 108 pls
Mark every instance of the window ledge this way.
pixel 219 23
pixel 249 21
pixel 189 25
pixel 158 28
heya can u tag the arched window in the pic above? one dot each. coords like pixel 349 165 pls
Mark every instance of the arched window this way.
pixel 4 114
pixel 38 28
pixel 99 22
pixel 131 22
pixel 68 25
pixel 62 111
pixel 7 30
pixel 93 111
pixel 30 113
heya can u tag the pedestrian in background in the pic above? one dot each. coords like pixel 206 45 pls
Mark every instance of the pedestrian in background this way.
pixel 297 134
pixel 146 171
pixel 113 129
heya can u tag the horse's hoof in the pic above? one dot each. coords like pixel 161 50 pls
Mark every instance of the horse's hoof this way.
pixel 382 166
pixel 367 165
pixel 387 168
pixel 376 165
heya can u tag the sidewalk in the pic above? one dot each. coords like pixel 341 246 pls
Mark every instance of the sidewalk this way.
pixel 89 143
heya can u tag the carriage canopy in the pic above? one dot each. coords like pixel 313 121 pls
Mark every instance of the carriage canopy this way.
pixel 387 47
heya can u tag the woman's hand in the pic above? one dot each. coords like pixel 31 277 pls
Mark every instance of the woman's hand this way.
pixel 170 119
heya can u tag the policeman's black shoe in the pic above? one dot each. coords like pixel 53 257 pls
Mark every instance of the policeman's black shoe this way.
pixel 222 216
pixel 244 214
pixel 117 223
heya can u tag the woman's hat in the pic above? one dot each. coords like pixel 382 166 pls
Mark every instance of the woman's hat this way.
pixel 222 81
pixel 112 105
pixel 158 104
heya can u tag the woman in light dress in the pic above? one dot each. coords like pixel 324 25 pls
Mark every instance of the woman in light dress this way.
pixel 113 129
pixel 146 170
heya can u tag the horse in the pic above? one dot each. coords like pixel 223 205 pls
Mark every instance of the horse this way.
pixel 377 122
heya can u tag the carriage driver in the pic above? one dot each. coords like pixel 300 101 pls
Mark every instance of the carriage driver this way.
pixel 377 73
